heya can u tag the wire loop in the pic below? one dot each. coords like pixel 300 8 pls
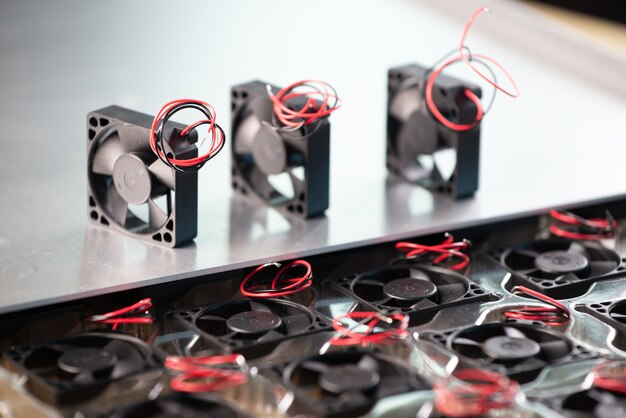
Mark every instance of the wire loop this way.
pixel 206 374
pixel 364 331
pixel 443 253
pixel 280 284
pixel 611 376
pixel 126 315
pixel 554 315
pixel 571 226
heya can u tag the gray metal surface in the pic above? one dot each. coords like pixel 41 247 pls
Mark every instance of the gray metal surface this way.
pixel 558 145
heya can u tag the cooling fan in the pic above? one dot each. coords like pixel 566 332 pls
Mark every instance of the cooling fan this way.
pixel 348 383
pixel 133 191
pixel 419 291
pixel 594 403
pixel 560 268
pixel 421 150
pixel 520 351
pixel 74 369
pixel 251 326
pixel 179 406
pixel 288 171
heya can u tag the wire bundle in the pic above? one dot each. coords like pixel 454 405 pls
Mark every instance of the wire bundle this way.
pixel 474 392
pixel 206 374
pixel 133 314
pixel 444 253
pixel 611 376
pixel 158 141
pixel 364 332
pixel 280 285
pixel 554 315
pixel 571 226
pixel 292 113
pixel 464 55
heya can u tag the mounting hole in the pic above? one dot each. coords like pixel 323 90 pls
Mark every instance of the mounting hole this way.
pixel 300 209
pixel 92 202
pixel 596 306
pixel 167 237
pixel 290 208
pixel 93 121
pixel 479 291
pixel 243 191
pixel 547 283
pixel 104 122
pixel 157 237
pixel 104 221
pixel 235 185
pixel 169 155
pixel 94 215
pixel 301 196
pixel 91 134
pixel 170 225
pixel 605 303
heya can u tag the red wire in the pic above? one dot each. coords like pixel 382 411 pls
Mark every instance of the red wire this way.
pixel 554 315
pixel 447 250
pixel 601 228
pixel 205 374
pixel 366 336
pixel 217 135
pixel 311 110
pixel 120 316
pixel 611 376
pixel 474 392
pixel 277 287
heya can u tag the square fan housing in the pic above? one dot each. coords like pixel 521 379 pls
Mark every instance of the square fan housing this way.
pixel 419 149
pixel 130 190
pixel 287 171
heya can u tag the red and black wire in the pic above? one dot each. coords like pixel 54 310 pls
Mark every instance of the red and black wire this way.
pixel 281 283
pixel 448 253
pixel 363 328
pixel 215 134
pixel 206 374
pixel 553 314
pixel 136 313
pixel 571 226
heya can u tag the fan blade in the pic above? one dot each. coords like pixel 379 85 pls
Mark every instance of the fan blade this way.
pixel 156 214
pixel 270 336
pixel 84 378
pixel 118 207
pixel 599 268
pixel 404 104
pixel 371 282
pixel 260 110
pixel 368 363
pixel 423 304
pixel 419 274
pixel 106 156
pixel 570 277
pixel 259 307
pixel 617 316
pixel 527 272
pixel 531 363
pixel 555 349
pixel 296 323
pixel 467 341
pixel 450 292
pixel 577 248
pixel 315 366
pixel 134 138
pixel 260 184
pixel 129 359
pixel 526 252
pixel 163 173
pixel 212 324
pixel 61 347
pixel 514 333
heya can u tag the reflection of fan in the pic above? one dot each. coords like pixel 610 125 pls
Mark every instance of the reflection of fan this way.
pixel 418 289
pixel 73 369
pixel 421 150
pixel 289 171
pixel 245 324
pixel 553 265
pixel 130 189
pixel 594 403
pixel 349 383
pixel 179 406
pixel 522 350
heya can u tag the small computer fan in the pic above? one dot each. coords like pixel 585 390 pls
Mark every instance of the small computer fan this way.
pixel 421 150
pixel 348 383
pixel 73 369
pixel 521 351
pixel 130 189
pixel 593 403
pixel 252 326
pixel 288 171
pixel 179 406
pixel 419 290
pixel 560 268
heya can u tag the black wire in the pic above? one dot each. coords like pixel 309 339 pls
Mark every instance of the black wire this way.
pixel 160 137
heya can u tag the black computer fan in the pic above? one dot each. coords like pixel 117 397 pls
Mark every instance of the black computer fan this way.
pixel 348 383
pixel 520 350
pixel 593 403
pixel 560 268
pixel 73 369
pixel 420 290
pixel 179 406
pixel 251 326
pixel 288 171
pixel 421 150
pixel 133 191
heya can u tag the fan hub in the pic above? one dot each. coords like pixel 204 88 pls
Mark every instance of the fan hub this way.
pixel 90 360
pixel 132 179
pixel 254 322
pixel 560 262
pixel 409 289
pixel 348 378
pixel 269 151
pixel 509 348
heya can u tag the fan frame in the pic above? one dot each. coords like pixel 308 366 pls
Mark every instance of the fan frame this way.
pixel 449 97
pixel 419 316
pixel 182 223
pixel 55 394
pixel 312 197
pixel 563 290
pixel 602 311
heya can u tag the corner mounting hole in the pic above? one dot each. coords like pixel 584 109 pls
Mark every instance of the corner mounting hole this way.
pixel 167 237
pixel 94 215
pixel 104 221
pixel 104 122
pixel 300 209
pixel 93 121
pixel 92 202
pixel 157 237
pixel 170 225
pixel 92 134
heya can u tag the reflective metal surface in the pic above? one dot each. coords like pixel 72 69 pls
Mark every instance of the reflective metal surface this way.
pixel 556 146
